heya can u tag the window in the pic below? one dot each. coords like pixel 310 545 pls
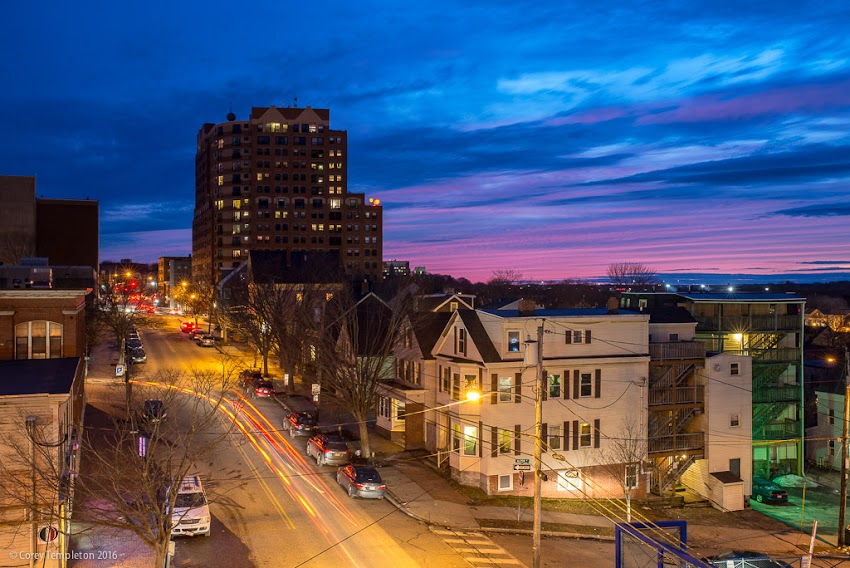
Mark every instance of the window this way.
pixel 631 477
pixel 513 341
pixel 505 439
pixel 461 340
pixel 553 434
pixel 400 410
pixel 585 439
pixel 470 440
pixel 674 337
pixel 470 384
pixel 735 370
pixel 456 386
pixel 733 421
pixel 385 407
pixel 456 438
pixel 506 482
pixel 569 480
pixel 831 447
pixel 555 386
pixel 586 389
pixel 38 340
pixel 831 416
pixel 446 379
pixel 505 389
pixel 577 336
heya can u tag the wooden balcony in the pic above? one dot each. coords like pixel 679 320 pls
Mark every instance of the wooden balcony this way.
pixel 677 350
pixel 677 396
pixel 688 442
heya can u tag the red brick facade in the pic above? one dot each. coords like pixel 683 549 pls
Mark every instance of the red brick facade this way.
pixel 65 307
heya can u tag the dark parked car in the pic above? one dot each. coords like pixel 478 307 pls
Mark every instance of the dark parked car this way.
pixel 765 491
pixel 249 376
pixel 206 340
pixel 361 481
pixel 154 411
pixel 328 450
pixel 134 343
pixel 137 355
pixel 262 388
pixel 746 558
pixel 300 424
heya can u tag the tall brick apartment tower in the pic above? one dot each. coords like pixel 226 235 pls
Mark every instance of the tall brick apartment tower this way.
pixel 279 181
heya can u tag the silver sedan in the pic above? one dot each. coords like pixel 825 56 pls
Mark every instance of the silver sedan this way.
pixel 361 481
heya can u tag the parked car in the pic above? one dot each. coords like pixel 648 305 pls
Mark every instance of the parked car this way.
pixel 746 558
pixel 361 481
pixel 207 340
pixel 187 326
pixel 765 491
pixel 193 333
pixel 134 344
pixel 300 424
pixel 262 388
pixel 137 355
pixel 328 450
pixel 191 513
pixel 154 411
pixel 248 377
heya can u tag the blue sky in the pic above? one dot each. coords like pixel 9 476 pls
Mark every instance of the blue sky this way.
pixel 552 139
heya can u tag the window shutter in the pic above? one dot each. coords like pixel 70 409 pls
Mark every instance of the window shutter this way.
pixel 544 435
pixel 517 440
pixel 544 386
pixel 598 388
pixel 455 340
pixel 480 438
pixel 566 385
pixel 440 378
pixel 494 388
pixel 587 336
pixel 566 435
pixel 576 434
pixel 596 434
pixel 494 442
pixel 576 383
pixel 465 341
pixel 569 336
pixel 517 388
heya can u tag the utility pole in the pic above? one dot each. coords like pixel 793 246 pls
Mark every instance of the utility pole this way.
pixel 538 450
pixel 842 503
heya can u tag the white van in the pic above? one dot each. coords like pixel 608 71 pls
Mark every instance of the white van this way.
pixel 191 514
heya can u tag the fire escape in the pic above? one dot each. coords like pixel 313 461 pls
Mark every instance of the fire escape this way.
pixel 674 399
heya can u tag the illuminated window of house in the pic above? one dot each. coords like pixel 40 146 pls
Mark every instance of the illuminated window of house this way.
pixel 220 180
pixel 585 438
pixel 456 386
pixel 555 386
pixel 505 440
pixel 470 384
pixel 38 340
pixel 513 341
pixel 470 440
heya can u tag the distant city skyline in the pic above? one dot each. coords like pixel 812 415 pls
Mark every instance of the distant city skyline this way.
pixel 703 139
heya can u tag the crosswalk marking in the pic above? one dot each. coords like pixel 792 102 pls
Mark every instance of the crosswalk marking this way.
pixel 476 548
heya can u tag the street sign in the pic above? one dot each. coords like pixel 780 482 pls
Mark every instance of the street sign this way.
pixel 317 388
pixel 47 534
pixel 315 398
pixel 522 467
pixel 119 370
pixel 522 461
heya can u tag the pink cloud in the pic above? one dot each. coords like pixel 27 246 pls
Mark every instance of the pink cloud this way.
pixel 777 101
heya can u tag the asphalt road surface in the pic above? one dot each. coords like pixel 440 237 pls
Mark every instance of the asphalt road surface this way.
pixel 271 506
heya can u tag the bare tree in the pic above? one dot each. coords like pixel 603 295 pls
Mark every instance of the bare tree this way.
pixel 505 277
pixel 354 354
pixel 14 246
pixel 622 458
pixel 132 468
pixel 631 274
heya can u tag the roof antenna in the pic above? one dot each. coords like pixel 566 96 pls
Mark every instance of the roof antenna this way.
pixel 296 102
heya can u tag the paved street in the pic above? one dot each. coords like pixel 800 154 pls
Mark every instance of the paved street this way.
pixel 271 506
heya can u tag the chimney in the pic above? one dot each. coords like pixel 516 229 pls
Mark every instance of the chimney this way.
pixel 526 307
pixel 612 305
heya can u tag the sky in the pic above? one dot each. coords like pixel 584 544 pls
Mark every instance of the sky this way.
pixel 704 140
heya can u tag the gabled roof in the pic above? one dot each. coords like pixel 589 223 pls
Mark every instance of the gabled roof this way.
pixel 568 312
pixel 38 376
pixel 478 336
pixel 433 302
pixel 427 328
pixel 373 321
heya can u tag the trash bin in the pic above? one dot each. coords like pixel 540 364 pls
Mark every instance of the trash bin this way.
pixel 847 535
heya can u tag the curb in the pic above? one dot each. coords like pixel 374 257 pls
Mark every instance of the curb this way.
pixel 554 534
